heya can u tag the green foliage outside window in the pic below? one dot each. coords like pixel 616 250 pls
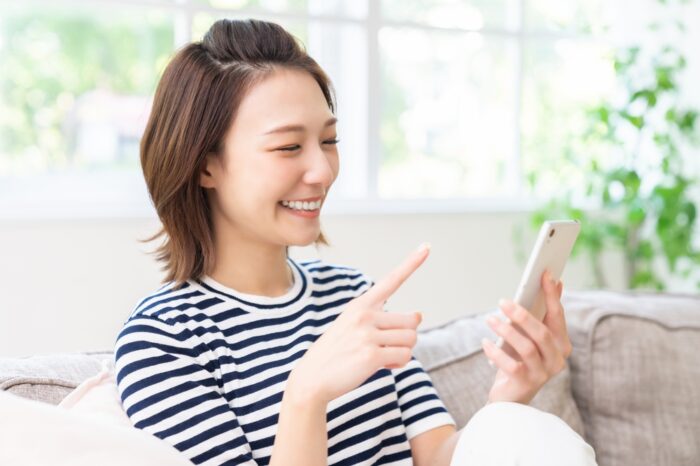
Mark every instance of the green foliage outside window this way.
pixel 51 57
pixel 640 178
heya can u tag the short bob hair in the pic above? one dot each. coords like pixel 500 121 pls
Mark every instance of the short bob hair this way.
pixel 194 105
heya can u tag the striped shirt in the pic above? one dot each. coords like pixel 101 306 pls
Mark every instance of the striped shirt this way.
pixel 204 368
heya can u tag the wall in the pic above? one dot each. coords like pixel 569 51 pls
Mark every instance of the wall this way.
pixel 69 285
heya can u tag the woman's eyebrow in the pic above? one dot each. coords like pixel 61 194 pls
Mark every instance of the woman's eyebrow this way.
pixel 298 128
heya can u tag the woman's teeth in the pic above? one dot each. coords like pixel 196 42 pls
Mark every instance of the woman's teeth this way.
pixel 299 205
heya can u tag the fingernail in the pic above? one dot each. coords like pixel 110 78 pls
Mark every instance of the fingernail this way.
pixel 551 279
pixel 492 320
pixel 485 342
pixel 424 247
pixel 506 303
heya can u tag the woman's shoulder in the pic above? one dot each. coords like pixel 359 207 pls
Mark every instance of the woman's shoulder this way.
pixel 323 271
pixel 167 296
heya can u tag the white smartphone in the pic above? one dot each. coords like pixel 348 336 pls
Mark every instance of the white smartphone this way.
pixel 553 246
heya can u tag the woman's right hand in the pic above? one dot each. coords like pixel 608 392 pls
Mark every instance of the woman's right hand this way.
pixel 363 339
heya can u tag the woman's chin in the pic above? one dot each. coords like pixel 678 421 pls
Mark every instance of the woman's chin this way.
pixel 303 241
pixel 300 244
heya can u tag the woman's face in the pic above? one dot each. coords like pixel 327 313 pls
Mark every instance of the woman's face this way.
pixel 281 147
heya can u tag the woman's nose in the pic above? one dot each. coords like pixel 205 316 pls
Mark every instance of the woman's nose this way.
pixel 320 169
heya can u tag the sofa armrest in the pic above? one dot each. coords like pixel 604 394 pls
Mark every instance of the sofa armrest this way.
pixel 49 378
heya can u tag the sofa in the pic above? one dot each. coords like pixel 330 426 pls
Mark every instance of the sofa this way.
pixel 631 387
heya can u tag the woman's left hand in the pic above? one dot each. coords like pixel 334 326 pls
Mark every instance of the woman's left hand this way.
pixel 542 347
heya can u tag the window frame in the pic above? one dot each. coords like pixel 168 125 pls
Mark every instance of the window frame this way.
pixel 132 204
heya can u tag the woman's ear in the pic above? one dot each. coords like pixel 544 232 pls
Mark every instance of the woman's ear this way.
pixel 208 170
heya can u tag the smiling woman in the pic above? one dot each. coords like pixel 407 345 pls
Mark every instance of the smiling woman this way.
pixel 245 356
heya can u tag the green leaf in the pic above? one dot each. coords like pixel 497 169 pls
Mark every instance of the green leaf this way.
pixel 636 120
pixel 664 78
pixel 641 278
pixel 687 121
pixel 606 196
pixel 646 94
pixel 636 215
pixel 644 250
pixel 603 114
pixel 631 182
pixel 691 211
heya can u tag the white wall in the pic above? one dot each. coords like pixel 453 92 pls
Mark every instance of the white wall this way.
pixel 69 285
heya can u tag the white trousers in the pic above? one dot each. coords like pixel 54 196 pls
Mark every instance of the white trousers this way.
pixel 514 434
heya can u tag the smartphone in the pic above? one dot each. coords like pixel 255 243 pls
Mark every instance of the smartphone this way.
pixel 552 248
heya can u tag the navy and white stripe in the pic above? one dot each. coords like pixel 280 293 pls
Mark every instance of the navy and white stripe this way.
pixel 204 368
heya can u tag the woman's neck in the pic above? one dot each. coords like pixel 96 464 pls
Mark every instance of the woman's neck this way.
pixel 251 268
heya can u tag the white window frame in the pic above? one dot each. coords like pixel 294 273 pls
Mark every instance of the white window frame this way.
pixel 44 204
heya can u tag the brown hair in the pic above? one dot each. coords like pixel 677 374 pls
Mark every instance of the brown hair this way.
pixel 194 105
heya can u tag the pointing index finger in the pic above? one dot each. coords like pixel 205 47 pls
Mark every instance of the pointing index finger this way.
pixel 387 286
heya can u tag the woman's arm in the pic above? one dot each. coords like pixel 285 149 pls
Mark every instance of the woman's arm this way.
pixel 167 388
pixel 302 436
pixel 361 340
pixel 435 447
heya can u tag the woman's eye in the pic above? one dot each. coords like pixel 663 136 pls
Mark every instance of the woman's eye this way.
pixel 296 147
pixel 290 148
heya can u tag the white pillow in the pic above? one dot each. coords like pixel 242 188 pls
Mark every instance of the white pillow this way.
pixel 89 428
pixel 98 397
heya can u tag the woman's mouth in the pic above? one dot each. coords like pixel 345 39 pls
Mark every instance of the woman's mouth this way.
pixel 307 209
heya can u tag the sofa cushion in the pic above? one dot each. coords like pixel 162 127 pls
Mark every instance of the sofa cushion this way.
pixel 635 375
pixel 50 378
pixel 451 353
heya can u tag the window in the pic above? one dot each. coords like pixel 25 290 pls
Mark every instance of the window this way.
pixel 441 103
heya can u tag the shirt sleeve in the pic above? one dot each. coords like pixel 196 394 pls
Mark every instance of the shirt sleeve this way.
pixel 421 406
pixel 165 378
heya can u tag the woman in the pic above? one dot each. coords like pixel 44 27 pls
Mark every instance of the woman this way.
pixel 246 356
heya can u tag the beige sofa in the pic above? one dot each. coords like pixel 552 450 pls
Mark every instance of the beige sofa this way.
pixel 632 388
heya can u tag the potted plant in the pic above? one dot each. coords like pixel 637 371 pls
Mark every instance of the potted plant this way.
pixel 637 197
